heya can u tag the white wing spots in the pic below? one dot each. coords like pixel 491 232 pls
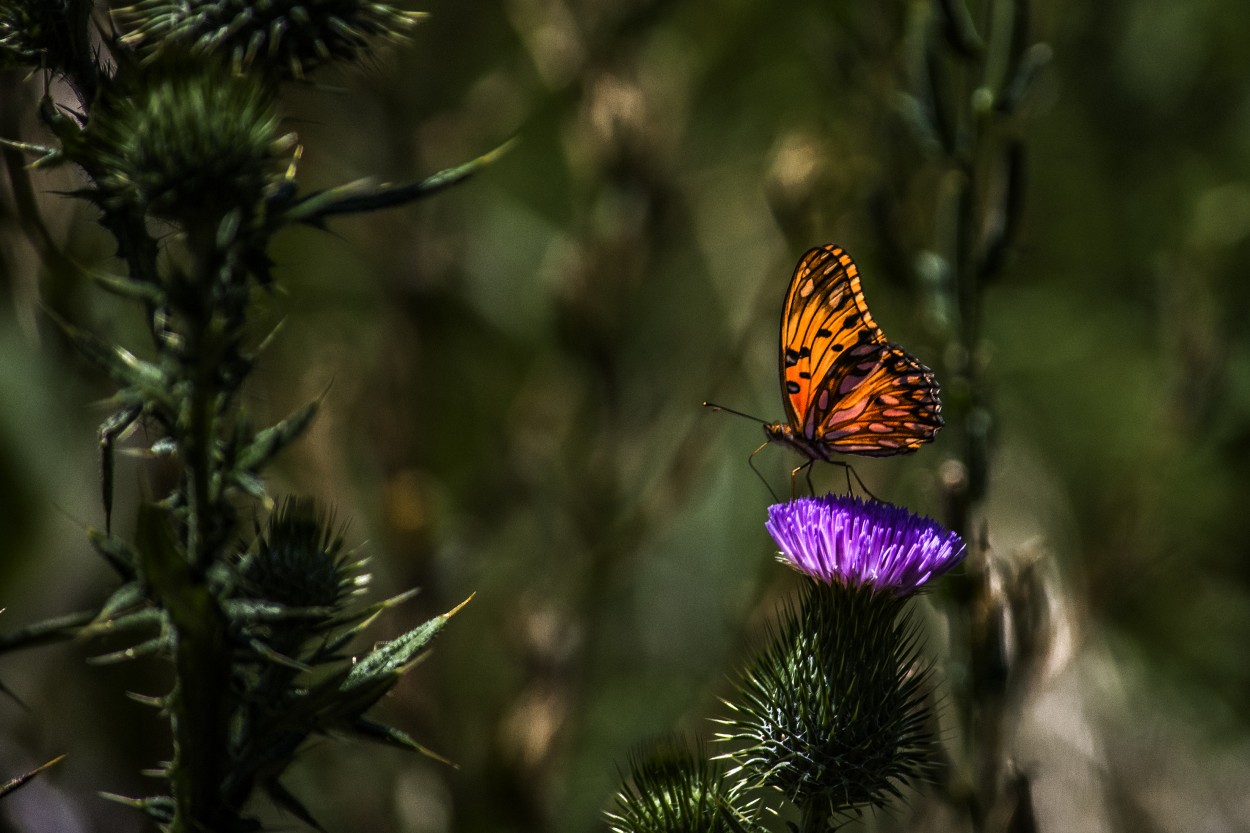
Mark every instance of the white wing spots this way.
pixel 879 428
pixel 888 399
pixel 808 287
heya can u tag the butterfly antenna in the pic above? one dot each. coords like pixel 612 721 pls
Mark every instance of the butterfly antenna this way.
pixel 716 407
pixel 759 474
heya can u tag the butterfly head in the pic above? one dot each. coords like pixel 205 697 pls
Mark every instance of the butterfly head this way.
pixel 777 431
pixel 783 433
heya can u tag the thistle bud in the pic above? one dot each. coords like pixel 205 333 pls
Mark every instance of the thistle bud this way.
pixel 39 33
pixel 299 561
pixel 288 38
pixel 671 789
pixel 188 143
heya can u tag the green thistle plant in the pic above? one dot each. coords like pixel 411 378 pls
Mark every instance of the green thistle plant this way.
pixel 833 712
pixel 187 163
pixel 290 37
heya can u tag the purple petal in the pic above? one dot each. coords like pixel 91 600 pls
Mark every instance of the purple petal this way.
pixel 852 541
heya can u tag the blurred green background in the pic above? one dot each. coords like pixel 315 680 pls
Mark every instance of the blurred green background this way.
pixel 516 367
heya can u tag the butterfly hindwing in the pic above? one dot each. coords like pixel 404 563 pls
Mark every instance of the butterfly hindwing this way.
pixel 845 387
pixel 893 410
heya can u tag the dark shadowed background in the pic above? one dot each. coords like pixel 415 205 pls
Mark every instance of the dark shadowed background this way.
pixel 515 370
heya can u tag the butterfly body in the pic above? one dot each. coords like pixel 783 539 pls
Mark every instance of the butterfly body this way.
pixel 846 389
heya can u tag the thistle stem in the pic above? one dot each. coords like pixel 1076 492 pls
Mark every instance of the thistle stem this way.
pixel 200 708
pixel 816 818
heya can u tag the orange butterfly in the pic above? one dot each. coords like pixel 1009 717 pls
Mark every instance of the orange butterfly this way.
pixel 846 388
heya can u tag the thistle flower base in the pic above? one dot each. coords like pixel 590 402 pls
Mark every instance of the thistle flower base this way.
pixel 833 713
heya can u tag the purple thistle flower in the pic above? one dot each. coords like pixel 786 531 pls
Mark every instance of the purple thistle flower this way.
pixel 838 538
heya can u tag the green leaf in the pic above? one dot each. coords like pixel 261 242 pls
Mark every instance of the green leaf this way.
pixel 398 738
pixel 363 195
pixel 267 443
pixel 129 288
pixel 360 619
pixel 116 551
pixel 48 156
pixel 127 597
pixel 150 648
pixel 120 364
pixel 159 807
pixel 393 658
pixel 149 617
pixel 249 611
pixel 59 629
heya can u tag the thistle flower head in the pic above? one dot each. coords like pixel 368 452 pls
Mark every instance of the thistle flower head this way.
pixel 845 540
pixel 188 144
pixel 288 37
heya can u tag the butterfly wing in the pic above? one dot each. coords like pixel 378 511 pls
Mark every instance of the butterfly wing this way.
pixel 893 409
pixel 826 334
pixel 844 385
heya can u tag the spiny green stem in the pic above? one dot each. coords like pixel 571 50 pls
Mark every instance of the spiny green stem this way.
pixel 201 708
pixel 200 714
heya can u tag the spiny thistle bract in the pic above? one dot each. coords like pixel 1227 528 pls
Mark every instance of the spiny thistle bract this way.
pixel 671 789
pixel 187 142
pixel 289 37
pixel 833 712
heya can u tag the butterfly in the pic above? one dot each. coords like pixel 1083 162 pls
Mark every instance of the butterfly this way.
pixel 846 389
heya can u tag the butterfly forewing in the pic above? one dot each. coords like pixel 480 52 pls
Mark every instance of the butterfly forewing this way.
pixel 826 333
pixel 845 387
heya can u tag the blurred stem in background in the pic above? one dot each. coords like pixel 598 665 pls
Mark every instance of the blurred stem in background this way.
pixel 973 64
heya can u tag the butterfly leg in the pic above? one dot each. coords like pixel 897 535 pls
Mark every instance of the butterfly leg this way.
pixel 850 472
pixel 759 474
pixel 794 474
